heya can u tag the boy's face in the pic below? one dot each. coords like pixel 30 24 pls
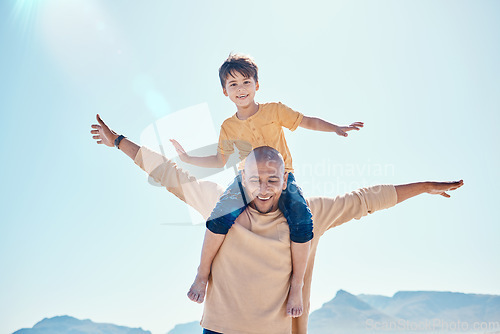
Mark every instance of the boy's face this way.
pixel 240 89
pixel 264 181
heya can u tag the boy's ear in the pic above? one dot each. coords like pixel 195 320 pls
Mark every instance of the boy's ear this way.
pixel 257 85
pixel 224 91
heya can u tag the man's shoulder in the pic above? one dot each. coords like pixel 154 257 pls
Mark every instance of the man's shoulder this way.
pixel 315 203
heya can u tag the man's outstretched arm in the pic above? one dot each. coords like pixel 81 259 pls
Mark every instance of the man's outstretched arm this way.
pixel 405 191
pixel 104 135
pixel 330 212
pixel 201 195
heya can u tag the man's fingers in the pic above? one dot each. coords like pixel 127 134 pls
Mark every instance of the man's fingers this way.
pixel 101 122
pixel 440 188
pixel 455 185
pixel 96 137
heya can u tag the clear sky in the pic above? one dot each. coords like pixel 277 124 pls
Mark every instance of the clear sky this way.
pixel 83 233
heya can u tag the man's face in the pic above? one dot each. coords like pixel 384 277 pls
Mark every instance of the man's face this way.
pixel 240 89
pixel 264 181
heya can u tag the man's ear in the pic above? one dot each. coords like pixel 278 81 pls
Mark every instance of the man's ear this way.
pixel 224 91
pixel 285 180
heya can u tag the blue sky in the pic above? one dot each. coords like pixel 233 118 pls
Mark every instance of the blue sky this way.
pixel 83 233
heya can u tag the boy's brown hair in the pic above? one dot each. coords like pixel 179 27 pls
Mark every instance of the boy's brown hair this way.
pixel 243 64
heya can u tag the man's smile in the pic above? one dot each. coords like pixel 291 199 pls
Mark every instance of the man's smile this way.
pixel 262 198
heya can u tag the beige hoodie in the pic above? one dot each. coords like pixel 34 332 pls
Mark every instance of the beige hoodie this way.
pixel 248 286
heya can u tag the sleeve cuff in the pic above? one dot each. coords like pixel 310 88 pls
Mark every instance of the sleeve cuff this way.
pixel 221 151
pixel 380 197
pixel 297 122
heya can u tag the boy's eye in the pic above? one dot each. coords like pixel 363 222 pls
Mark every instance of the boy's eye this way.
pixel 233 84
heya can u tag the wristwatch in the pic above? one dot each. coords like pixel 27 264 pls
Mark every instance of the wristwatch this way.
pixel 118 140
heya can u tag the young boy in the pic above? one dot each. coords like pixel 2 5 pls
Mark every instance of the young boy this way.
pixel 252 126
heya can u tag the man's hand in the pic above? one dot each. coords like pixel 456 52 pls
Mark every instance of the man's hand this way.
pixel 180 151
pixel 405 191
pixel 440 188
pixel 342 130
pixel 104 135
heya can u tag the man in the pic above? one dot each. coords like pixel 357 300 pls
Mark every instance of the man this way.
pixel 250 277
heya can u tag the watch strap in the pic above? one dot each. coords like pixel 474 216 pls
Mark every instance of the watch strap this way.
pixel 118 140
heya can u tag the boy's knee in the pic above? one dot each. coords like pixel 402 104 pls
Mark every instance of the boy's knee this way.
pixel 217 226
pixel 301 237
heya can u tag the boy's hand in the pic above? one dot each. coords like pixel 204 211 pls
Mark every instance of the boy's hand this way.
pixel 104 135
pixel 180 151
pixel 342 130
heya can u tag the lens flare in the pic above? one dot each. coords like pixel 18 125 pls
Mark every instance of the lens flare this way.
pixel 24 15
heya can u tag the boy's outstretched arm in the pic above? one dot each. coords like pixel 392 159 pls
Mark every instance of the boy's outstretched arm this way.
pixel 318 124
pixel 212 161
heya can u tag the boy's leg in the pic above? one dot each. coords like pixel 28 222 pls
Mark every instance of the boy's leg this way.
pixel 300 253
pixel 229 207
pixel 211 245
pixel 299 217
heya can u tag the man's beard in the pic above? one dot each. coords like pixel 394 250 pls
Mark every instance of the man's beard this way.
pixel 260 211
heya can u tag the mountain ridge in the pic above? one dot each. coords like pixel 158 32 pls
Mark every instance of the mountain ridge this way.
pixel 346 313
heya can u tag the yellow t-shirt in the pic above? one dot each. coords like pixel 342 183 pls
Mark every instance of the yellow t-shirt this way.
pixel 264 128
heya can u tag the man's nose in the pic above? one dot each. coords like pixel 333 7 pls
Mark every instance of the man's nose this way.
pixel 263 188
